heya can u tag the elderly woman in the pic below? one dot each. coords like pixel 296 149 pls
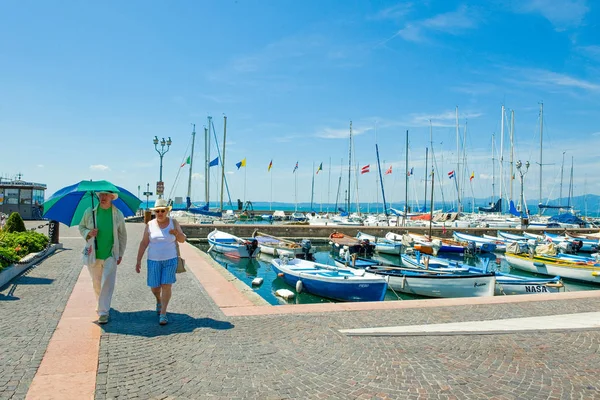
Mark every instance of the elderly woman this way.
pixel 160 238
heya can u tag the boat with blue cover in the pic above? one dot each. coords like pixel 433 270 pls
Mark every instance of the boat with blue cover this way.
pixel 231 245
pixel 342 284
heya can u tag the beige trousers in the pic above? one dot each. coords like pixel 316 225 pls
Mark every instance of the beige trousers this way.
pixel 104 274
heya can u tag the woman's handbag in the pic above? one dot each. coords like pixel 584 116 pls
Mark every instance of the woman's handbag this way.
pixel 180 261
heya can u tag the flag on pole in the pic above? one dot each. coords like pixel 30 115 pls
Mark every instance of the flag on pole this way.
pixel 365 169
pixel 270 166
pixel 187 161
pixel 320 168
pixel 241 164
pixel 451 174
pixel 214 162
pixel 295 168
pixel 410 172
pixel 389 170
pixel 472 176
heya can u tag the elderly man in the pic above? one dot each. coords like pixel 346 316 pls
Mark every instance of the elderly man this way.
pixel 106 224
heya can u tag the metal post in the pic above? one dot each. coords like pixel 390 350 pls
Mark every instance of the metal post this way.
pixel 161 153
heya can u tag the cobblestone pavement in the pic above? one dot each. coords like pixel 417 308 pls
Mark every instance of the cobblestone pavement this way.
pixel 203 354
pixel 30 308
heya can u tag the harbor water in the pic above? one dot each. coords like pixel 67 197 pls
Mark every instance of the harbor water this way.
pixel 246 269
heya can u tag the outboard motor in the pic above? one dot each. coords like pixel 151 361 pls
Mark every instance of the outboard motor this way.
pixel 471 248
pixel 306 247
pixel 577 245
pixel 251 246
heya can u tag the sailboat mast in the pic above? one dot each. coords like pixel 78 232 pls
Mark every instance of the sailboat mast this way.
pixel 562 167
pixel 381 180
pixel 512 151
pixel 312 189
pixel 541 143
pixel 406 185
pixel 206 163
pixel 328 184
pixel 502 157
pixel 426 169
pixel 349 169
pixel 189 191
pixel 457 164
pixel 493 167
pixel 571 185
pixel 223 160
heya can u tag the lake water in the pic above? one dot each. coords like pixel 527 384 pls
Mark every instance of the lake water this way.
pixel 246 269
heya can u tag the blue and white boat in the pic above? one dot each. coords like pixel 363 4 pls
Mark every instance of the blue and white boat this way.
pixel 382 245
pixel 232 246
pixel 512 237
pixel 343 284
pixel 586 245
pixel 484 245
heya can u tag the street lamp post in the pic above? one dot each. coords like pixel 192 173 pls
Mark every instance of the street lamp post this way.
pixel 522 174
pixel 161 153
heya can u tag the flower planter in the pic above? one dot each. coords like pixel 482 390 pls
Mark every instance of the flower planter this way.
pixel 8 273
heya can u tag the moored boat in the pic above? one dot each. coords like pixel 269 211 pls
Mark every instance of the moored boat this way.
pixel 282 247
pixel 343 284
pixel 382 245
pixel 231 245
pixel 482 244
pixel 580 271
pixel 340 240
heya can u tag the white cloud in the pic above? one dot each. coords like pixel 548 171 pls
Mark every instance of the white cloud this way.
pixel 340 133
pixel 592 51
pixel 454 23
pixel 445 119
pixel 562 14
pixel 197 176
pixel 99 167
pixel 549 78
pixel 394 12
pixel 40 165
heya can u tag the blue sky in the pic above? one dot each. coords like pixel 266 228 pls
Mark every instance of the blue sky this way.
pixel 85 87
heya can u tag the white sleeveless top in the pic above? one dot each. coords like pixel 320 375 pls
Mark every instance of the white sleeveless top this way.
pixel 162 243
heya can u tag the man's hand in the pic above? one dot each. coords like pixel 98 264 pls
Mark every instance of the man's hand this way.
pixel 138 267
pixel 119 260
pixel 92 233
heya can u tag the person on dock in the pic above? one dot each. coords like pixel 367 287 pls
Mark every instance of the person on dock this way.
pixel 106 224
pixel 160 238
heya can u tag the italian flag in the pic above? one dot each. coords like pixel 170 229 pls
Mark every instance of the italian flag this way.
pixel 187 161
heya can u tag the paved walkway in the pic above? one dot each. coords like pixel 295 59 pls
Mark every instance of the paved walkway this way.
pixel 221 344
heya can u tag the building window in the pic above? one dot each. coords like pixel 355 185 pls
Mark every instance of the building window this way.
pixel 11 196
pixel 25 196
pixel 38 196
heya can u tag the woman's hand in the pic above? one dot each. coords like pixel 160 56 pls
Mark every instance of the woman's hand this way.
pixel 173 232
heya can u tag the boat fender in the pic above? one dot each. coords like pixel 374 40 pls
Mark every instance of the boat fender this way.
pixel 284 293
pixel 280 274
pixel 595 273
pixel 539 264
pixel 299 286
pixel 403 281
pixel 257 281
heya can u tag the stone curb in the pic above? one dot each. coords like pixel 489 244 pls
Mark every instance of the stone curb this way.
pixel 12 271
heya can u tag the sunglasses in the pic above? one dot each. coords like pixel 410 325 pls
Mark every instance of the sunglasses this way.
pixel 160 211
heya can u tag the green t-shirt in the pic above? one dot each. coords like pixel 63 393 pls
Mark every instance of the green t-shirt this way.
pixel 105 237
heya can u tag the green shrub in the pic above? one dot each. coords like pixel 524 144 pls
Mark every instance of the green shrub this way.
pixel 24 243
pixel 15 223
pixel 8 257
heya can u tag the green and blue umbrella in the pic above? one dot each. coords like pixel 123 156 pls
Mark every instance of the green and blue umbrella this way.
pixel 69 203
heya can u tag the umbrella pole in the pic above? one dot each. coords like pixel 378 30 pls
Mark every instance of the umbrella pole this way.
pixel 94 221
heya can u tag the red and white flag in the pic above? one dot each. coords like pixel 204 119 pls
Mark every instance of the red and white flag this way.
pixel 389 171
pixel 365 169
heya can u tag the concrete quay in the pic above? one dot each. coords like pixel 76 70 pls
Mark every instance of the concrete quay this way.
pixel 220 344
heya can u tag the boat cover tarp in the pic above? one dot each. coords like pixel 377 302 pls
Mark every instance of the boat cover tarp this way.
pixel 421 217
pixel 513 210
pixel 567 218
pixel 495 208
pixel 548 249
pixel 513 248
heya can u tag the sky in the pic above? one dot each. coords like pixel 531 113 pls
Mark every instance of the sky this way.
pixel 86 86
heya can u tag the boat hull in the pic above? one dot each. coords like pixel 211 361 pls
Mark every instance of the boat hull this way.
pixel 333 285
pixel 444 286
pixel 579 272
pixel 232 246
